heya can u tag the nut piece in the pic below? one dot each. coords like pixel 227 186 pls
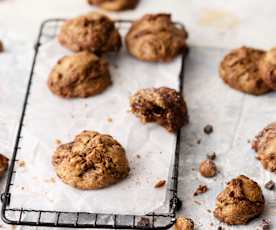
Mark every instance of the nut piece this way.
pixel 156 38
pixel 80 75
pixel 92 32
pixel 201 189
pixel 268 68
pixel 91 161
pixel 114 5
pixel 160 184
pixel 208 168
pixel 1 46
pixel 270 185
pixel 241 201
pixel 265 147
pixel 183 223
pixel 4 163
pixel 208 129
pixel 240 70
pixel 162 105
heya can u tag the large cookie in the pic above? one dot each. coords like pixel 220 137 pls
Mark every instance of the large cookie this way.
pixel 93 32
pixel 91 161
pixel 240 70
pixel 79 75
pixel 156 38
pixel 114 5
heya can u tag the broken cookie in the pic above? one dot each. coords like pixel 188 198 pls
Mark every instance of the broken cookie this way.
pixel 208 168
pixel 183 223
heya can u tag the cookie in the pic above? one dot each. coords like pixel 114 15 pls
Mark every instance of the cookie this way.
pixel 114 5
pixel 4 164
pixel 183 223
pixel 163 105
pixel 239 69
pixel 91 161
pixel 241 201
pixel 79 75
pixel 208 168
pixel 93 32
pixel 268 68
pixel 156 38
pixel 265 147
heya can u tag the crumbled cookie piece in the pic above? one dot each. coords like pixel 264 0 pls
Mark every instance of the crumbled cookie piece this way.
pixel 156 38
pixel 270 185
pixel 266 224
pixel 241 201
pixel 211 156
pixel 79 75
pixel 201 189
pixel 160 184
pixel 183 223
pixel 21 163
pixel 1 47
pixel 92 32
pixel 208 129
pixel 240 70
pixel 208 168
pixel 265 147
pixel 144 222
pixel 162 105
pixel 4 164
pixel 58 142
pixel 91 161
pixel 114 5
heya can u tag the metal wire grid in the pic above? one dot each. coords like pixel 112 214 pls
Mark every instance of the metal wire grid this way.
pixel 28 217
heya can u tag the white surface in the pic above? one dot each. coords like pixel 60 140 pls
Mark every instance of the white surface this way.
pixel 220 23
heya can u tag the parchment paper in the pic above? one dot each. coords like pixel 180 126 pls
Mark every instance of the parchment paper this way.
pixel 49 117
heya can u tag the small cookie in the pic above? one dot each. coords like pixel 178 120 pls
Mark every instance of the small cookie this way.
pixel 114 5
pixel 91 161
pixel 4 164
pixel 265 147
pixel 208 168
pixel 156 38
pixel 93 32
pixel 183 223
pixel 79 75
pixel 268 68
pixel 241 201
pixel 239 69
pixel 162 105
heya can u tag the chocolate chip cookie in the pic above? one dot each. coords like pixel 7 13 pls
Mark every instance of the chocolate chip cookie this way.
pixel 268 68
pixel 79 75
pixel 265 147
pixel 240 70
pixel 114 5
pixel 162 105
pixel 93 32
pixel 183 223
pixel 4 164
pixel 241 201
pixel 156 38
pixel 91 161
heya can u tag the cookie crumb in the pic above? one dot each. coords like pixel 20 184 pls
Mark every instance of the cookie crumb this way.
pixel 21 163
pixel 160 184
pixel 145 222
pixel 220 228
pixel 109 119
pixel 183 223
pixel 208 168
pixel 1 47
pixel 208 129
pixel 211 156
pixel 270 185
pixel 198 141
pixel 200 190
pixel 58 142
pixel 138 156
pixel 265 224
pixel 197 202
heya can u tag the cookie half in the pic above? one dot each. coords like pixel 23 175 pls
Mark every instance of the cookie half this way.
pixel 91 161
pixel 79 75
pixel 156 38
pixel 114 5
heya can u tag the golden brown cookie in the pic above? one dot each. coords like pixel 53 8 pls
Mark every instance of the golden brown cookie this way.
pixel 239 69
pixel 183 223
pixel 241 201
pixel 91 161
pixel 93 32
pixel 265 147
pixel 79 75
pixel 156 38
pixel 208 168
pixel 162 105
pixel 114 5
pixel 4 164
pixel 268 68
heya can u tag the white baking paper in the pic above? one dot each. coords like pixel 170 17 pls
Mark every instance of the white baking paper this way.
pixel 49 117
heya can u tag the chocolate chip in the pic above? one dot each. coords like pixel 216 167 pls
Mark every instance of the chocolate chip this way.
pixel 211 156
pixel 201 189
pixel 208 129
pixel 270 185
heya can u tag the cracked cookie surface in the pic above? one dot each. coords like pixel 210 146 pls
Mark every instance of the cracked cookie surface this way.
pixel 241 201
pixel 93 32
pixel 162 105
pixel 91 161
pixel 114 5
pixel 79 75
pixel 265 147
pixel 240 70
pixel 156 38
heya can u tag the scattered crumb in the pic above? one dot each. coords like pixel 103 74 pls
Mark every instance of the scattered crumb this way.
pixel 208 168
pixel 265 224
pixel 248 141
pixel 143 222
pixel 183 223
pixel 209 210
pixel 208 129
pixel 21 163
pixel 197 202
pixel 198 141
pixel 51 180
pixel 58 142
pixel 211 224
pixel 22 188
pixel 220 228
pixel 1 47
pixel 160 184
pixel 270 185
pixel 211 156
pixel 200 190
pixel 138 156
pixel 109 119
pixel 193 169
pixel 178 204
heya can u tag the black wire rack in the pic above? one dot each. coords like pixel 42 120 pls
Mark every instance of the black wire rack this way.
pixel 28 217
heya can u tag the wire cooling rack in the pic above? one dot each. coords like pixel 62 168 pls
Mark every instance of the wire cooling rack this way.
pixel 154 220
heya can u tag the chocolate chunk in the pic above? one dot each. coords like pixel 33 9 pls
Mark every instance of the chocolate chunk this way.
pixel 270 185
pixel 208 129
pixel 201 189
